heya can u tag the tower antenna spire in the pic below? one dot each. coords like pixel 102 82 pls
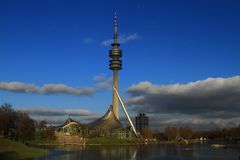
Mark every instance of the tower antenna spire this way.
pixel 115 29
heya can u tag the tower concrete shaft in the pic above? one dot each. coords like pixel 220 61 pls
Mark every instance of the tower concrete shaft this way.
pixel 115 102
pixel 115 65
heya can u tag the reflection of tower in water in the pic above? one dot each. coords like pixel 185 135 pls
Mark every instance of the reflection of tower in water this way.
pixel 105 152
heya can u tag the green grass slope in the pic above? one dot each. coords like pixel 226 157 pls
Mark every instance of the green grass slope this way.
pixel 12 150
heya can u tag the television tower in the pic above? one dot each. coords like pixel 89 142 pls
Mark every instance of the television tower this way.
pixel 115 64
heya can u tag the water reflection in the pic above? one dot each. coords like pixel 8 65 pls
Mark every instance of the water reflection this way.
pixel 141 152
pixel 91 152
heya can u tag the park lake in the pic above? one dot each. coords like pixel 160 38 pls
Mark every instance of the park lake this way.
pixel 142 152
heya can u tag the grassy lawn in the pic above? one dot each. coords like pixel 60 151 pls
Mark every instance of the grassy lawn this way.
pixel 12 150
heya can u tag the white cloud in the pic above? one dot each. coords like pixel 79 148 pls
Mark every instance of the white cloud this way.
pixel 107 42
pixel 63 89
pixel 209 98
pixel 199 87
pixel 105 83
pixel 122 39
pixel 100 77
pixel 87 40
pixel 161 121
pixel 56 112
pixel 58 116
pixel 45 89
pixel 18 87
pixel 102 82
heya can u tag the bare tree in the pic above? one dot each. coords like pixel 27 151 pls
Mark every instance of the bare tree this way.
pixel 7 121
pixel 147 132
pixel 186 132
pixel 171 133
pixel 26 127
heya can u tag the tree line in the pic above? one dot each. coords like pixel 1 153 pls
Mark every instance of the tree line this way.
pixel 18 126
pixel 224 134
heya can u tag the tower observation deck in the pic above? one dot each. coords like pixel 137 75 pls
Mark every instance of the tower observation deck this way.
pixel 115 64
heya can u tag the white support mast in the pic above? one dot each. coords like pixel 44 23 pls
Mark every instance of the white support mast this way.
pixel 125 111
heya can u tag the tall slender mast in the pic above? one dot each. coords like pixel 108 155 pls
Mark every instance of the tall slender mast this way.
pixel 115 64
pixel 125 111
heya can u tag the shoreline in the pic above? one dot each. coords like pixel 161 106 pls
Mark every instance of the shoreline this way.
pixel 134 144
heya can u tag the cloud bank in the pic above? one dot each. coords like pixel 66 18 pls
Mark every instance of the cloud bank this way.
pixel 47 89
pixel 102 82
pixel 209 98
pixel 161 121
pixel 57 116
pixel 56 112
pixel 122 39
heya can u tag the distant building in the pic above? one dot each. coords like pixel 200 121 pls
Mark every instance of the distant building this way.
pixel 142 121
pixel 71 127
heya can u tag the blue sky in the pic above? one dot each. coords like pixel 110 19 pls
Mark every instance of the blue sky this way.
pixel 163 43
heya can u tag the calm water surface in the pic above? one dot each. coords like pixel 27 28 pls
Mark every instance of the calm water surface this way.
pixel 143 152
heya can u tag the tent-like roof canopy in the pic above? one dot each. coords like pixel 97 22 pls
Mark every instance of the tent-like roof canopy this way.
pixel 108 121
pixel 70 121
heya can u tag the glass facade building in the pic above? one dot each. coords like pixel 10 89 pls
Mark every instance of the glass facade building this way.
pixel 142 121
